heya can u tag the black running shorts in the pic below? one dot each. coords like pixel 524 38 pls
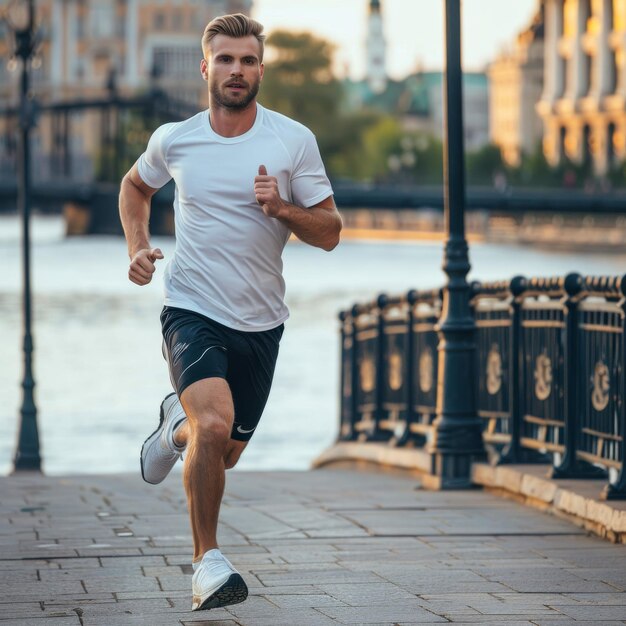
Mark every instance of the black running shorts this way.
pixel 197 347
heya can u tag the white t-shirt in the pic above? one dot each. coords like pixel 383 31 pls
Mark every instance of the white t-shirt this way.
pixel 227 263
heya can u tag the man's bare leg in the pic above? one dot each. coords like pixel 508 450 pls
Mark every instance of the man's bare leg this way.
pixel 209 406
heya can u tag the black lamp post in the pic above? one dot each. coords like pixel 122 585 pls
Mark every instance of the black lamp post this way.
pixel 20 16
pixel 457 436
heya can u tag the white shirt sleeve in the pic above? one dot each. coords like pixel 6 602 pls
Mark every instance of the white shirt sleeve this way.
pixel 309 183
pixel 152 164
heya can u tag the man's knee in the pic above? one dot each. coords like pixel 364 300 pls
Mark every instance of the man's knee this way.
pixel 212 429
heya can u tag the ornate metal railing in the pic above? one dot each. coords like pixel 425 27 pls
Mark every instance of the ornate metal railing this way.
pixel 389 368
pixel 550 362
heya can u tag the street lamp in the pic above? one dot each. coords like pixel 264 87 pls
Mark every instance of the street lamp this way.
pixel 457 435
pixel 20 17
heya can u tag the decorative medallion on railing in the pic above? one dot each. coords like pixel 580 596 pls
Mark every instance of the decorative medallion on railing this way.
pixel 368 374
pixel 426 370
pixel 543 376
pixel 395 371
pixel 601 386
pixel 494 370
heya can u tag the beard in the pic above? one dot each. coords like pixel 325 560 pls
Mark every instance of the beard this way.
pixel 222 98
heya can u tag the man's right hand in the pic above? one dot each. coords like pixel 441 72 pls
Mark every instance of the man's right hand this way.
pixel 142 265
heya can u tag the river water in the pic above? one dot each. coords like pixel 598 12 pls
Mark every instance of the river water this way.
pixel 98 366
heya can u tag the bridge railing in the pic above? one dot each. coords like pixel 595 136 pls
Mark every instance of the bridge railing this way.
pixel 600 385
pixel 87 141
pixel 550 372
pixel 389 368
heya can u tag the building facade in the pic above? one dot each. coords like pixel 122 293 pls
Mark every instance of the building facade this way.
pixel 91 46
pixel 375 48
pixel 583 105
pixel 515 87
pixel 417 101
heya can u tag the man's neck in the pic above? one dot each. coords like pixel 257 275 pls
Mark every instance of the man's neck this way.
pixel 232 122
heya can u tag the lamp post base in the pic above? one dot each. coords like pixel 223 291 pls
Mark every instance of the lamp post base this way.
pixel 449 471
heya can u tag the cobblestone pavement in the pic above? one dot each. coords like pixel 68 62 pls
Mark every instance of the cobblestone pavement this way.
pixel 316 548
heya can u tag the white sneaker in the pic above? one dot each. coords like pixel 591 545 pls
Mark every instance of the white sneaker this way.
pixel 216 583
pixel 159 453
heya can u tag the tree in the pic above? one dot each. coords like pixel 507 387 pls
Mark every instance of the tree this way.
pixel 299 82
pixel 483 165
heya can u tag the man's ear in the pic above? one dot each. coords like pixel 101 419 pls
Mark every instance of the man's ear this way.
pixel 204 69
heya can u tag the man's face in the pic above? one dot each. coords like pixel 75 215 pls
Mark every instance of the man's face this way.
pixel 234 71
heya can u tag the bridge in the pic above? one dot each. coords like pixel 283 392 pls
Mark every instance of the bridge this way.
pixel 82 148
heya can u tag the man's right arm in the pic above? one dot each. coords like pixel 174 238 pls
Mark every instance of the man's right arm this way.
pixel 135 197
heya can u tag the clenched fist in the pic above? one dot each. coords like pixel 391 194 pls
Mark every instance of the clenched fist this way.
pixel 142 265
pixel 267 194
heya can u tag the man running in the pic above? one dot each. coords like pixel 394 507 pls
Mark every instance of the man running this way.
pixel 246 178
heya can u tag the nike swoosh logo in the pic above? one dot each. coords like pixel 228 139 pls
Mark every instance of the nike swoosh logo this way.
pixel 244 432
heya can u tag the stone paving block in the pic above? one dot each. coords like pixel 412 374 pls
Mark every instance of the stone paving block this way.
pixel 17 564
pixel 316 577
pixel 216 622
pixel 308 600
pixel 163 619
pixel 505 619
pixel 117 583
pixel 128 561
pixel 169 551
pixel 106 550
pixel 427 587
pixel 127 607
pixel 568 622
pixel 278 617
pixel 75 563
pixel 612 575
pixel 48 621
pixel 74 599
pixel 145 595
pixel 94 574
pixel 175 583
pixel 597 612
pixel 507 623
pixel 395 612
pixel 366 594
pixel 220 622
pixel 40 552
pixel 163 570
pixel 593 598
pixel 20 610
pixel 264 568
pixel 405 574
pixel 16 576
pixel 501 620
pixel 259 590
pixel 37 590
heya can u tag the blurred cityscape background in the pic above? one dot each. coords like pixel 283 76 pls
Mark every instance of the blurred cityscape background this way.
pixel 549 109
pixel 545 131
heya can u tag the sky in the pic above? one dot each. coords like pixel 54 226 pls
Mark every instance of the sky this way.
pixel 413 29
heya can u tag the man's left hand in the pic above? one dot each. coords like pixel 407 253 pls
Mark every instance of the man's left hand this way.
pixel 267 194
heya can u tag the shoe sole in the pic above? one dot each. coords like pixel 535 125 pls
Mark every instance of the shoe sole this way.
pixel 149 439
pixel 233 591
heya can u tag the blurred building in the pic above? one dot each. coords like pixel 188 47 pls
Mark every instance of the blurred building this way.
pixel 515 87
pixel 417 101
pixel 91 46
pixel 583 105
pixel 376 68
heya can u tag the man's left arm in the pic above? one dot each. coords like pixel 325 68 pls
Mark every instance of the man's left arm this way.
pixel 318 225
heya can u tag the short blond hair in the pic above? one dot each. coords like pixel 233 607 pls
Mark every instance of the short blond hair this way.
pixel 234 25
